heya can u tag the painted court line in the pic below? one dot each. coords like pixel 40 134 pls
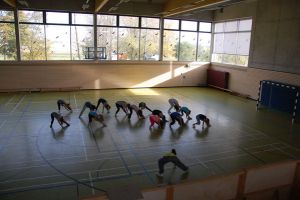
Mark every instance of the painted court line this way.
pixel 14 128
pixel 12 110
pixel 231 149
pixel 104 153
pixel 57 184
pixel 131 150
pixel 9 100
pixel 17 105
pixel 75 101
pixel 91 182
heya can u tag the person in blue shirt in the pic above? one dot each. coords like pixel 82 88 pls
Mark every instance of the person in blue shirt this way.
pixel 186 111
pixel 176 116
pixel 170 157
pixel 203 118
pixel 93 115
pixel 89 105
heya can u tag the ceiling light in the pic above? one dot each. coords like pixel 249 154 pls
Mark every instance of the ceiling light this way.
pixel 112 9
pixel 23 2
pixel 85 6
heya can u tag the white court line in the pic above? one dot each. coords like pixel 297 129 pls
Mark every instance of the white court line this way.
pixel 60 175
pixel 75 101
pixel 202 163
pixel 232 149
pixel 281 150
pixel 18 104
pixel 62 182
pixel 3 123
pixel 12 110
pixel 91 182
pixel 9 100
pixel 80 129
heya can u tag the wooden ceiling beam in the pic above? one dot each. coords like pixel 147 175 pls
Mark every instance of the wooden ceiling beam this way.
pixel 12 3
pixel 174 7
pixel 99 4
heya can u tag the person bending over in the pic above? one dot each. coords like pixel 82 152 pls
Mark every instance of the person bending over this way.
pixel 155 119
pixel 160 114
pixel 170 157
pixel 62 103
pixel 89 105
pixel 143 105
pixel 175 116
pixel 204 119
pixel 93 115
pixel 59 118
pixel 173 104
pixel 122 105
pixel 105 105
pixel 137 110
pixel 186 111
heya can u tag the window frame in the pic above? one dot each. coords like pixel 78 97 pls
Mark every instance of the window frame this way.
pixel 238 20
pixel 95 26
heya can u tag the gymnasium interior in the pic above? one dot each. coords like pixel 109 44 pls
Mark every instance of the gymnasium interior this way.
pixel 234 61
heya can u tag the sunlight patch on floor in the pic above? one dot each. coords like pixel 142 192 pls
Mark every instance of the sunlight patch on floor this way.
pixel 144 91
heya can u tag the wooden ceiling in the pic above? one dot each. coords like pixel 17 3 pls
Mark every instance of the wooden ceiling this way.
pixel 162 8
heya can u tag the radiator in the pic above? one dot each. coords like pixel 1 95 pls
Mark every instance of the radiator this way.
pixel 217 79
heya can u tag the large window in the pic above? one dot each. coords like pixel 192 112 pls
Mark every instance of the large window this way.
pixel 186 40
pixel 82 36
pixel 149 39
pixel 32 36
pixel 128 44
pixel 56 38
pixel 188 45
pixel 232 42
pixel 171 44
pixel 134 38
pixel 8 49
pixel 45 35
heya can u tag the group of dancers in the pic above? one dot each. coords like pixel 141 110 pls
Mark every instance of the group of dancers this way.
pixel 156 117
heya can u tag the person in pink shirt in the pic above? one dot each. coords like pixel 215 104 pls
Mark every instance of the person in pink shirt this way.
pixel 154 119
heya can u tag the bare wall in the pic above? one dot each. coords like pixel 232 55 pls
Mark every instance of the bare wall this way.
pixel 102 75
pixel 246 80
pixel 275 38
pixel 275 44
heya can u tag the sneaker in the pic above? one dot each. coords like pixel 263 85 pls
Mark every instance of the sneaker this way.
pixel 159 175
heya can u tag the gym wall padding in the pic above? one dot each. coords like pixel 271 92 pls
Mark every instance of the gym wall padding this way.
pixel 257 183
pixel 271 176
pixel 157 194
pixel 223 187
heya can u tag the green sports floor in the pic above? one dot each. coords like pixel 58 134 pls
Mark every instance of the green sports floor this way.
pixel 37 162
